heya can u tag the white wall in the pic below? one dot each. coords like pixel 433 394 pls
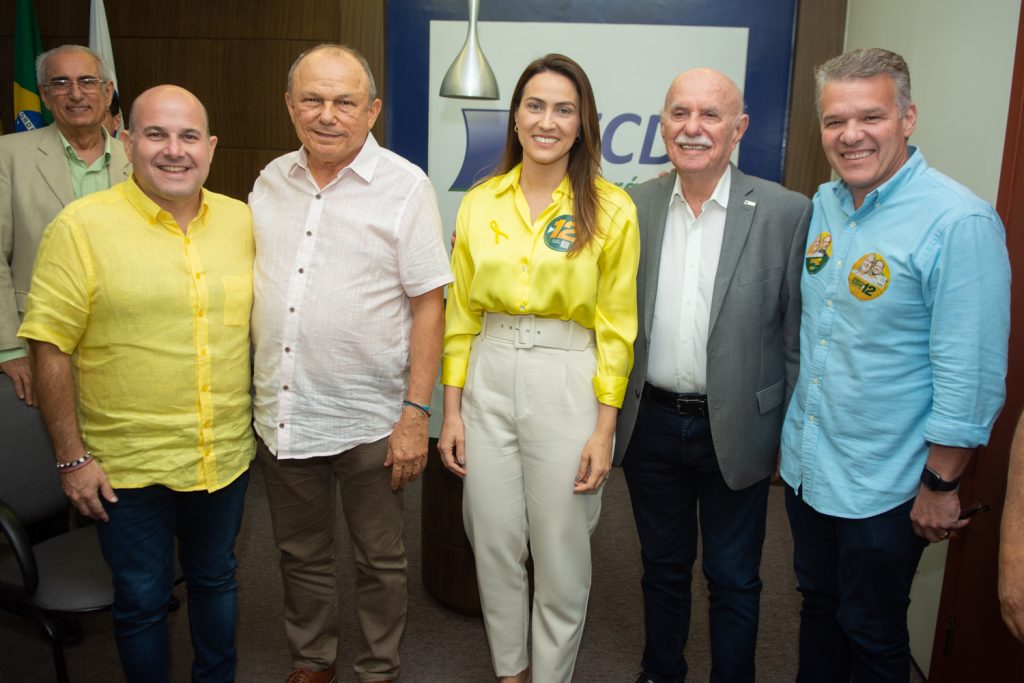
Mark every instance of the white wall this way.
pixel 961 61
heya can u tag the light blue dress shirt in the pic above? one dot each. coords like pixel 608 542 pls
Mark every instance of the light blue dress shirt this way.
pixel 903 338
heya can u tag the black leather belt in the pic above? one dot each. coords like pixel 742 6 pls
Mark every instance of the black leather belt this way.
pixel 684 404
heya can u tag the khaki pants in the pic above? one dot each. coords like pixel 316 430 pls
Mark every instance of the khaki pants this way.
pixel 528 413
pixel 302 506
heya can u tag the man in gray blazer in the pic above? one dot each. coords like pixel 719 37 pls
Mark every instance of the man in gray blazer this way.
pixel 716 359
pixel 42 171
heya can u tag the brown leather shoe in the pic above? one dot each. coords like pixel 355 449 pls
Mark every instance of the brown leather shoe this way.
pixel 300 675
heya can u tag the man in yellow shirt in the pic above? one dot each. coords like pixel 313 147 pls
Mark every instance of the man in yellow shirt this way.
pixel 138 323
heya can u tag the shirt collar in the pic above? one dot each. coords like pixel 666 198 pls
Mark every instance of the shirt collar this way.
pixel 720 195
pixel 73 155
pixel 364 165
pixel 511 180
pixel 151 210
pixel 914 165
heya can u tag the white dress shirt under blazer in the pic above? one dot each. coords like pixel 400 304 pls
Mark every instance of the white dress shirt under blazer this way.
pixel 686 279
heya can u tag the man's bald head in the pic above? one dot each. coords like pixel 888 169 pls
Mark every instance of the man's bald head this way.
pixel 156 92
pixel 701 124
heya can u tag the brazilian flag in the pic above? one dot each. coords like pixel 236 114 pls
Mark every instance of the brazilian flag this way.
pixel 29 112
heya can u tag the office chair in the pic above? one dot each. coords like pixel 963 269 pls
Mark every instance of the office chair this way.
pixel 63 575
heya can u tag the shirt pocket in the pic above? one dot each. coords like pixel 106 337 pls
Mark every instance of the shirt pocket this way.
pixel 237 299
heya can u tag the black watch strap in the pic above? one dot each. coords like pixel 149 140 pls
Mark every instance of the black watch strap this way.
pixel 933 482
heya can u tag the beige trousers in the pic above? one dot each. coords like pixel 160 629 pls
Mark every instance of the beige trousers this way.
pixel 302 506
pixel 528 413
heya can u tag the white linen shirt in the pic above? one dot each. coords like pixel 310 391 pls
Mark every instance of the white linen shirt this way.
pixel 335 268
pixel 690 251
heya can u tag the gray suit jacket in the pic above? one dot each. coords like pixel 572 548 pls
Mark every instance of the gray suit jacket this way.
pixel 35 184
pixel 754 332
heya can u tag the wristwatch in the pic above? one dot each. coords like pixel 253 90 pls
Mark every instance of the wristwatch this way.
pixel 933 482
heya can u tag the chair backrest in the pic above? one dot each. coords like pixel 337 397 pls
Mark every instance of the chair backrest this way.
pixel 29 482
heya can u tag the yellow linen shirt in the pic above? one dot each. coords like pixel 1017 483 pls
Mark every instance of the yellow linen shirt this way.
pixel 504 263
pixel 157 323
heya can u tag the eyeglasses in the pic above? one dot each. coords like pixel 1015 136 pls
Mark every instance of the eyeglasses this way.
pixel 62 86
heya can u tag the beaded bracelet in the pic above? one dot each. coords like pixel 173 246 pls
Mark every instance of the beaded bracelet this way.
pixel 66 467
pixel 423 409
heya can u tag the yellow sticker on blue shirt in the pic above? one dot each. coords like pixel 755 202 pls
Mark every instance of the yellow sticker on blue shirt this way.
pixel 869 277
pixel 819 252
pixel 560 233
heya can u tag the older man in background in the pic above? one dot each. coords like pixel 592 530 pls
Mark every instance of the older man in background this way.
pixel 44 170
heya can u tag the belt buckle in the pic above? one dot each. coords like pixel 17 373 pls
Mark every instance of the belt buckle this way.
pixel 523 338
pixel 689 406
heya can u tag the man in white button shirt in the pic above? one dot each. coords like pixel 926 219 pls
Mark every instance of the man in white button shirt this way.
pixel 347 326
pixel 716 359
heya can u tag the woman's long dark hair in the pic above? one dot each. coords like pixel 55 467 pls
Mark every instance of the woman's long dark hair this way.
pixel 585 153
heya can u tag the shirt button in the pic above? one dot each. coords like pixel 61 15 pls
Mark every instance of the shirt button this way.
pixel 853 224
pixel 816 380
pixel 810 418
pixel 828 303
pixel 291 309
pixel 287 349
pixel 202 351
pixel 309 233
pixel 822 342
pixel 200 313
pixel 522 307
pixel 207 423
pixel 281 425
pixel 839 263
pixel 285 387
pixel 302 270
pixel 198 275
pixel 206 387
pixel 318 196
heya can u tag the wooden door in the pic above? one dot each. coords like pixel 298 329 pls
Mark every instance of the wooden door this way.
pixel 971 642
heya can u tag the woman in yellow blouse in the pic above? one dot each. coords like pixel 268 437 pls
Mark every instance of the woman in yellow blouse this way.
pixel 538 347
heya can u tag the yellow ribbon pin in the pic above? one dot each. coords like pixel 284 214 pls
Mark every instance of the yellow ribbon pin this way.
pixel 498 234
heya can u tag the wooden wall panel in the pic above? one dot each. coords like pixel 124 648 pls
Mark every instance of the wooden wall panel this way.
pixel 315 20
pixel 244 92
pixel 362 26
pixel 821 28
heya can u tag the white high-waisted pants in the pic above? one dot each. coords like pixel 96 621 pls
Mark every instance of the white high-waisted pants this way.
pixel 527 414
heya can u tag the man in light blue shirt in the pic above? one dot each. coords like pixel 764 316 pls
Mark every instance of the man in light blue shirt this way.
pixel 902 366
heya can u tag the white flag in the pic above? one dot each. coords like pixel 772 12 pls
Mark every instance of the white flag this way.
pixel 99 37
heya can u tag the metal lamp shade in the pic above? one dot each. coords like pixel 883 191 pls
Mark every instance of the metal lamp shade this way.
pixel 470 76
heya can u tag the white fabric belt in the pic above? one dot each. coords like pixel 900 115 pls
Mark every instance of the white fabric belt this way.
pixel 527 331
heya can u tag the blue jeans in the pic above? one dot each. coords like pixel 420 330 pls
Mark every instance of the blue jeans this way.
pixel 855 576
pixel 138 544
pixel 672 471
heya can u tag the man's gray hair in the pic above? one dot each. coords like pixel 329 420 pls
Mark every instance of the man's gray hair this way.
pixel 337 48
pixel 865 63
pixel 42 59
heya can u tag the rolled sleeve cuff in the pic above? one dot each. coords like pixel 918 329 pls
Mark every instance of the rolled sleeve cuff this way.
pixel 946 432
pixel 453 371
pixel 610 390
pixel 35 331
pixel 12 354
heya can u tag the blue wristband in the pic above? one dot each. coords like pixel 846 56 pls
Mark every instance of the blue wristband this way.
pixel 423 409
